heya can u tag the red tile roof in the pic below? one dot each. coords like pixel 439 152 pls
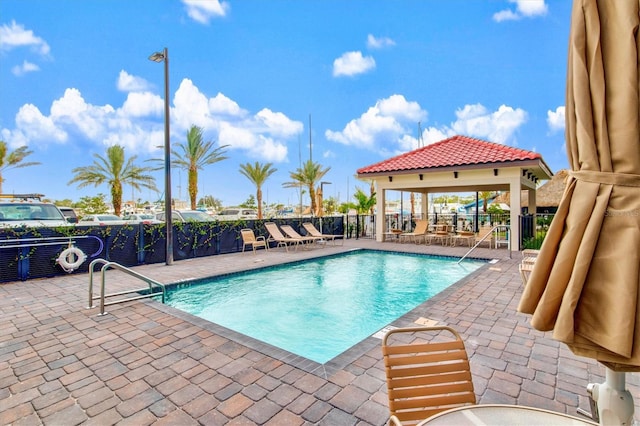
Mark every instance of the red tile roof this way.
pixel 452 152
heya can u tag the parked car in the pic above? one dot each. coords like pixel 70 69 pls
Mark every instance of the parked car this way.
pixel 28 210
pixel 145 218
pixel 69 213
pixel 185 216
pixel 236 213
pixel 101 219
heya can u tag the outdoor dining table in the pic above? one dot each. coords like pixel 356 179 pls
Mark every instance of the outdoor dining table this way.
pixel 503 414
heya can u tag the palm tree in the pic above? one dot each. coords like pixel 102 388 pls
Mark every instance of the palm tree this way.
pixel 116 171
pixel 307 175
pixel 13 160
pixel 485 200
pixel 365 203
pixel 257 173
pixel 195 154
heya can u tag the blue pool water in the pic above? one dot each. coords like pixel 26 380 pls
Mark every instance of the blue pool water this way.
pixel 320 308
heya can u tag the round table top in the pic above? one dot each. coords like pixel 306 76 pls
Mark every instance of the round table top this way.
pixel 499 414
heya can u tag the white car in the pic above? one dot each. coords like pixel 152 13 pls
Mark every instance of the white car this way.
pixel 102 220
pixel 185 216
pixel 27 210
pixel 236 213
pixel 145 218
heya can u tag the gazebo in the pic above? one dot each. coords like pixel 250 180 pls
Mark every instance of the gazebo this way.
pixel 459 164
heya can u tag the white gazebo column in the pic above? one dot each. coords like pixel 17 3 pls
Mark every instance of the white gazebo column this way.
pixel 516 208
pixel 424 205
pixel 380 213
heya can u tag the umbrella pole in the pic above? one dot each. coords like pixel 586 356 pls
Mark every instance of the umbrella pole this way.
pixel 613 401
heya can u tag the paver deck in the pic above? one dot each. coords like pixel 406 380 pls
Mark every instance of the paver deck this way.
pixel 146 363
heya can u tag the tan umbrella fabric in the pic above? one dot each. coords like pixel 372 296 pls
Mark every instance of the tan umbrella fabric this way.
pixel 586 282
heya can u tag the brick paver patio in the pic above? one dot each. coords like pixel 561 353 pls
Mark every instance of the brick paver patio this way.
pixel 146 363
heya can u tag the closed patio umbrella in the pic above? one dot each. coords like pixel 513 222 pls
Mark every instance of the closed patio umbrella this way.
pixel 585 285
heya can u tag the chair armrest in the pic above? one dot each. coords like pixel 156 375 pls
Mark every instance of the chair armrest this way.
pixel 393 421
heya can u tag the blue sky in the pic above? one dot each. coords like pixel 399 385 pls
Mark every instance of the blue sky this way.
pixel 360 79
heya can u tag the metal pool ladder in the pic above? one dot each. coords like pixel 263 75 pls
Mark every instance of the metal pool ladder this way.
pixel 155 288
pixel 488 235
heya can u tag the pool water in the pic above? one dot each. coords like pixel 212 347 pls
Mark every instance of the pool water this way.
pixel 319 308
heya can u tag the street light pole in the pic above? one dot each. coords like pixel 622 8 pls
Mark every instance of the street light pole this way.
pixel 164 57
pixel 322 184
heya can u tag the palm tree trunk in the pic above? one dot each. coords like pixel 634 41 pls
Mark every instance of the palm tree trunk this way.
pixel 116 197
pixel 259 198
pixel 312 195
pixel 193 187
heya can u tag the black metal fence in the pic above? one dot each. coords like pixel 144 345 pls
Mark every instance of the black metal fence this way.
pixel 27 253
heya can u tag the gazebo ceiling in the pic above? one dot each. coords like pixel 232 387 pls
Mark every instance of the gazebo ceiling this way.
pixel 459 153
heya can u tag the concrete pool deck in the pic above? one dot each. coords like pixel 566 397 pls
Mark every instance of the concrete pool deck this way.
pixel 145 363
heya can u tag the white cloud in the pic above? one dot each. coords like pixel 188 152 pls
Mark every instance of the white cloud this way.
pixel 497 126
pixel 389 126
pixel 222 105
pixel 556 119
pixel 379 43
pixel 26 67
pixel 352 63
pixel 14 35
pixel 524 9
pixel 131 83
pixel 138 124
pixel 203 10
pixel 142 104
pixel 383 126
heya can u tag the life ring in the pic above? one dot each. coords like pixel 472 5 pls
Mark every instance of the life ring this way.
pixel 71 258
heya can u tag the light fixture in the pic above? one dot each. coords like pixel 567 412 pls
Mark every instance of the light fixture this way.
pixel 164 57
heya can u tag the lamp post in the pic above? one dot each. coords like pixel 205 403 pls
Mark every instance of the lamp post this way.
pixel 164 57
pixel 322 184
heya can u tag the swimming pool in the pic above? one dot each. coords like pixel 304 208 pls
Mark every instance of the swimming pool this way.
pixel 319 308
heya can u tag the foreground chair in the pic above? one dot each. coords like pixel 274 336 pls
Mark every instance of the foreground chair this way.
pixel 427 372
pixel 313 231
pixel 276 235
pixel 292 233
pixel 249 239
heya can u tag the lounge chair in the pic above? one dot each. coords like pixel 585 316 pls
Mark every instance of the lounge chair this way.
pixel 427 372
pixel 313 231
pixel 485 235
pixel 462 236
pixel 292 233
pixel 420 231
pixel 276 235
pixel 250 239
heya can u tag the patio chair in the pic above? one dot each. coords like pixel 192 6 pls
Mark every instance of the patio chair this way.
pixel 314 232
pixel 525 268
pixel 250 239
pixel 276 235
pixel 427 372
pixel 467 236
pixel 419 232
pixel 292 233
pixel 485 235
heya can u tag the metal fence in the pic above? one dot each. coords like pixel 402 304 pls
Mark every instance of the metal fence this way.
pixel 531 237
pixel 27 253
